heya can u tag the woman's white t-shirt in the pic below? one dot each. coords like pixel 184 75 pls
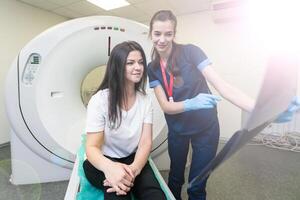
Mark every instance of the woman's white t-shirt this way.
pixel 123 141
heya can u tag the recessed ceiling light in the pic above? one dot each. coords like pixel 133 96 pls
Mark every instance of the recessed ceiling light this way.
pixel 109 4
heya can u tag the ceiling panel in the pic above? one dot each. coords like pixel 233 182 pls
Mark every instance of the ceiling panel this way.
pixel 85 8
pixel 41 4
pixel 67 13
pixel 130 12
pixel 190 6
pixel 63 2
pixel 139 10
pixel 152 6
pixel 135 1
pixel 145 19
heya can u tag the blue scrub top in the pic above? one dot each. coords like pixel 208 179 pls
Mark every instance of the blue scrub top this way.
pixel 190 61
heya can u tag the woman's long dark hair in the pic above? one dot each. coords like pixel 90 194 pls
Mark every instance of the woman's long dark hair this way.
pixel 114 80
pixel 165 15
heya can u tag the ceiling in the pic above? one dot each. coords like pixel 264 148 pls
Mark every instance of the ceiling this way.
pixel 138 10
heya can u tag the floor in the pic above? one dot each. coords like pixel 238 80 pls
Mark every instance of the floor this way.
pixel 254 173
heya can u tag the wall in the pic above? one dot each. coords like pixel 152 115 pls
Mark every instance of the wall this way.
pixel 236 55
pixel 19 23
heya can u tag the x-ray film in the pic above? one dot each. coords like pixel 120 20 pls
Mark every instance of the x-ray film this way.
pixel 278 89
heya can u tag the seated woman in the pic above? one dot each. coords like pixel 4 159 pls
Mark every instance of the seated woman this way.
pixel 119 129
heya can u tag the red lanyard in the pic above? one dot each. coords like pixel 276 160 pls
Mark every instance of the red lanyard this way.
pixel 168 87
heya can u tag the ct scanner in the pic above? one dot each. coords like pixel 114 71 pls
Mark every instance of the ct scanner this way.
pixel 43 100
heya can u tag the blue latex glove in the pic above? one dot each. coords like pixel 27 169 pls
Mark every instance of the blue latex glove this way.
pixel 201 101
pixel 287 115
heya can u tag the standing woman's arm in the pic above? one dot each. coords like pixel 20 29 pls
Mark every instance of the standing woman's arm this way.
pixel 227 91
pixel 167 106
pixel 200 101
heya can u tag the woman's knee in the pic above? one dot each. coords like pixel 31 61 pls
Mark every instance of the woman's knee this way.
pixel 93 175
pixel 147 187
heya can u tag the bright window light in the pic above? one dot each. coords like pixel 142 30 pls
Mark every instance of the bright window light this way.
pixel 276 23
pixel 109 4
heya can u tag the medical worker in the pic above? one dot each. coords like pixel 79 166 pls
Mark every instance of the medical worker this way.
pixel 179 74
